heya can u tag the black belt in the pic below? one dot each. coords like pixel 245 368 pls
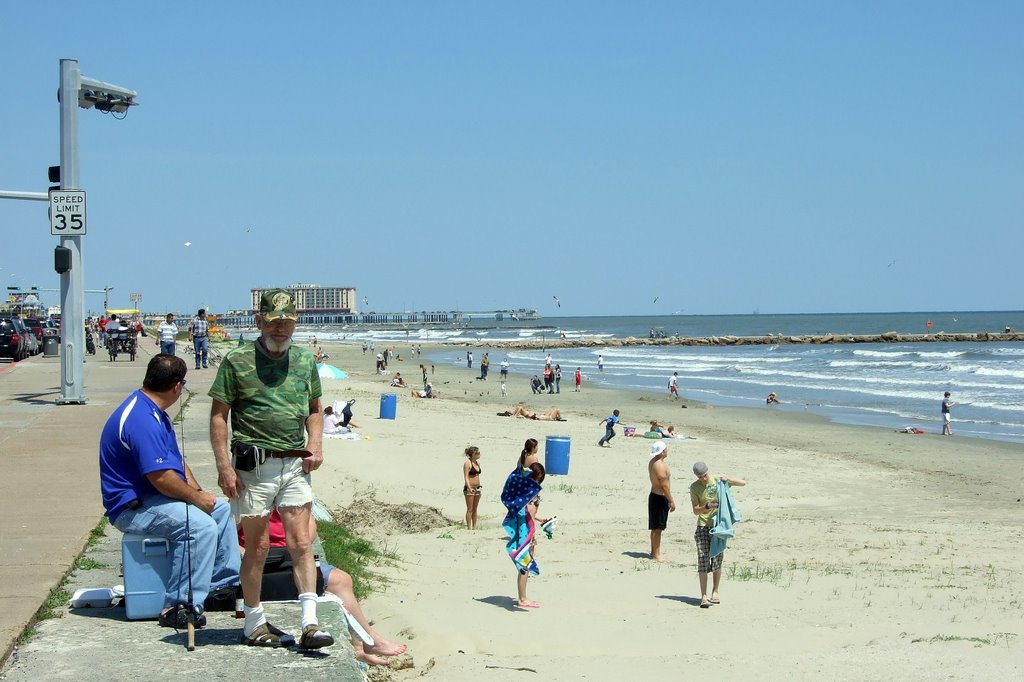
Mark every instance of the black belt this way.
pixel 134 504
pixel 282 454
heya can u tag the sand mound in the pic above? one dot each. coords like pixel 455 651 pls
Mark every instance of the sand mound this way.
pixel 370 517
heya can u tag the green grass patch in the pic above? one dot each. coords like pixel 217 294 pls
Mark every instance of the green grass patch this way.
pixel 58 598
pixel 178 418
pixel 758 572
pixel 84 563
pixel 978 641
pixel 355 556
pixel 53 607
pixel 97 533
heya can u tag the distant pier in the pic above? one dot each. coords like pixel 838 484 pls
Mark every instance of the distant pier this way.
pixel 451 318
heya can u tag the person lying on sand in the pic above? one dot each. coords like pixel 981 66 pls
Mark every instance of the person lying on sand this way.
pixel 670 432
pixel 427 392
pixel 338 583
pixel 656 430
pixel 552 415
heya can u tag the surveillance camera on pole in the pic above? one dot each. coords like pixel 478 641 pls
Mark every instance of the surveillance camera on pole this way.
pixel 105 96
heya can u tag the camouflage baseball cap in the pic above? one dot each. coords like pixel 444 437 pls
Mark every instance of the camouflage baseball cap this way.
pixel 277 304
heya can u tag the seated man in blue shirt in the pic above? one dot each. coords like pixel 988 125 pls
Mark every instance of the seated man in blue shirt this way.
pixel 146 487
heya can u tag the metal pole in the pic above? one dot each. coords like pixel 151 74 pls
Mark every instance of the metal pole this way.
pixel 27 196
pixel 72 287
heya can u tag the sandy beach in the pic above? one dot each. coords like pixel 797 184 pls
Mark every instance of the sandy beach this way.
pixel 864 553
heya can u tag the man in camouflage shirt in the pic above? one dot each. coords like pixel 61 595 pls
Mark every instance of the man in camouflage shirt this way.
pixel 271 390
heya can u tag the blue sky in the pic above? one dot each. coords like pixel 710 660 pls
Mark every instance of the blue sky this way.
pixel 720 157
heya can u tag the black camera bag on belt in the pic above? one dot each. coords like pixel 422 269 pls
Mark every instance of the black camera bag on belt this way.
pixel 244 456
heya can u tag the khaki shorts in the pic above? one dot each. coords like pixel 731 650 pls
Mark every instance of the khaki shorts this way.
pixel 275 483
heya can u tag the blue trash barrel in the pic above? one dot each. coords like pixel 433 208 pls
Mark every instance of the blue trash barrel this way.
pixel 556 455
pixel 388 405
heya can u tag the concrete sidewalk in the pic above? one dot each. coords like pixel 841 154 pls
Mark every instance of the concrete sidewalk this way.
pixel 50 491
pixel 50 502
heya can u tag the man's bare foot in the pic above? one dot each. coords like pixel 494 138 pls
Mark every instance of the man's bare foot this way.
pixel 370 659
pixel 527 604
pixel 660 559
pixel 383 647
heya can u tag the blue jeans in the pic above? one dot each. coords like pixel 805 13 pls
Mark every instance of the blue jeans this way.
pixel 199 345
pixel 609 433
pixel 215 555
pixel 167 347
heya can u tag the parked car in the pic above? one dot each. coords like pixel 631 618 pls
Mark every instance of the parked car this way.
pixel 35 325
pixel 33 345
pixel 13 338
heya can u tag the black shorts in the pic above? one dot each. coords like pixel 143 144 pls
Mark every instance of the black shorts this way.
pixel 657 512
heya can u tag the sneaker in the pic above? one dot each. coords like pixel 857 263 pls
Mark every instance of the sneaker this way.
pixel 315 638
pixel 177 617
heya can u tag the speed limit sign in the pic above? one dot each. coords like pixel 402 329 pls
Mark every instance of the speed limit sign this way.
pixel 67 212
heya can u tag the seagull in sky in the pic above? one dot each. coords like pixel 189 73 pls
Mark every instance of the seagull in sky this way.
pixel 557 301
pixel 656 298
pixel 188 243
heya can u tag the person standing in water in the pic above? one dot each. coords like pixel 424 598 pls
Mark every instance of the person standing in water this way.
pixel 946 416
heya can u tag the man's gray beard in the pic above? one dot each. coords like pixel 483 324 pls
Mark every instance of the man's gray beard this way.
pixel 275 347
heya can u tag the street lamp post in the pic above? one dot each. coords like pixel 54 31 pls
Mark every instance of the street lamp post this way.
pixel 106 299
pixel 77 91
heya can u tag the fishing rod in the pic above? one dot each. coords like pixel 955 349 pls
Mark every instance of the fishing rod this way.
pixel 192 613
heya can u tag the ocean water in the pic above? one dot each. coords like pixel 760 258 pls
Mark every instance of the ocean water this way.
pixel 888 385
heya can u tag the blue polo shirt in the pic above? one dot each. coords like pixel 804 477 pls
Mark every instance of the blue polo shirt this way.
pixel 138 439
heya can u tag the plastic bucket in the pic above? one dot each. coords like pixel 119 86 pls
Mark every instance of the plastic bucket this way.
pixel 556 455
pixel 388 405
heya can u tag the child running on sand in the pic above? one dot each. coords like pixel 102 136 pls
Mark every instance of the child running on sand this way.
pixel 609 427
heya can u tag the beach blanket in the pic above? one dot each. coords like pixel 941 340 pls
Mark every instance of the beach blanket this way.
pixel 726 517
pixel 519 490
pixel 343 436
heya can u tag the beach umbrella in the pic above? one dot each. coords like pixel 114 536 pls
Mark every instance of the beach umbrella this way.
pixel 330 372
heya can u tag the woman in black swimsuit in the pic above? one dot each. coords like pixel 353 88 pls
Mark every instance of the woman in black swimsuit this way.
pixel 471 484
pixel 529 454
